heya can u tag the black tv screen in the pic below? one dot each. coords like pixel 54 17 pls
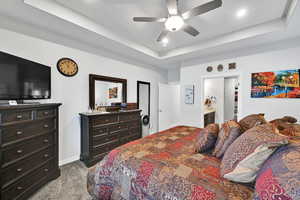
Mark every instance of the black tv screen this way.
pixel 22 79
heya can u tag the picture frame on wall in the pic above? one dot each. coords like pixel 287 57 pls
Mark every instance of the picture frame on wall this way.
pixel 189 94
pixel 113 93
pixel 276 84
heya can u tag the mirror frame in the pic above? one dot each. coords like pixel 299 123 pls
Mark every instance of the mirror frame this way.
pixel 138 83
pixel 93 78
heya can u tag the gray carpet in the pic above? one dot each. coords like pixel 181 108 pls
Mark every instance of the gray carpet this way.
pixel 71 185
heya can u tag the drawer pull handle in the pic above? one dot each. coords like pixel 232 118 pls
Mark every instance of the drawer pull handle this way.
pixel 20 151
pixel 19 169
pixel 46 155
pixel 19 188
pixel 46 113
pixel 19 116
pixel 46 170
pixel 19 132
pixel 46 140
pixel 46 126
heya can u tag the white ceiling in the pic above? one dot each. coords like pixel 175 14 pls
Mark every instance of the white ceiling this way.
pixel 106 26
pixel 116 15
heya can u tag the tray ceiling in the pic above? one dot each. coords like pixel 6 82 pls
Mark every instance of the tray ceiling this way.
pixel 116 15
pixel 109 24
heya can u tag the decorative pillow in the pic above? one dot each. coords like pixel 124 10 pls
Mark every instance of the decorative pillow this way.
pixel 285 119
pixel 279 177
pixel 286 122
pixel 287 126
pixel 251 121
pixel 207 138
pixel 229 132
pixel 247 153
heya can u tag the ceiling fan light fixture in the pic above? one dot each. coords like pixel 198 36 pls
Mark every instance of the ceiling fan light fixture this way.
pixel 174 23
pixel 165 40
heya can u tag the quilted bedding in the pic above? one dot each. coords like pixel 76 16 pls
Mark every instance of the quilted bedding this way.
pixel 162 166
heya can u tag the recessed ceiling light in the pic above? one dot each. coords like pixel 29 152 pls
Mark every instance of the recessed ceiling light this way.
pixel 241 13
pixel 165 41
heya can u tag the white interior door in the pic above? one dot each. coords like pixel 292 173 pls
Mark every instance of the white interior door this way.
pixel 169 100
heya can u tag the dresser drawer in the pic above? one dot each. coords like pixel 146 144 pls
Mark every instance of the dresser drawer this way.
pixel 105 147
pixel 134 131
pixel 135 123
pixel 102 139
pixel 100 120
pixel 17 189
pixel 40 114
pixel 16 116
pixel 129 117
pixel 103 131
pixel 18 169
pixel 21 131
pixel 118 127
pixel 23 149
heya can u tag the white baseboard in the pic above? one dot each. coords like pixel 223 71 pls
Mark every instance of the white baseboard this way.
pixel 68 160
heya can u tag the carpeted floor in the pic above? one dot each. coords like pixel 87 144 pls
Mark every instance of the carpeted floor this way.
pixel 71 185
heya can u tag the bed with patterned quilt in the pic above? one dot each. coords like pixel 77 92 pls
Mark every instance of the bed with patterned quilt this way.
pixel 162 166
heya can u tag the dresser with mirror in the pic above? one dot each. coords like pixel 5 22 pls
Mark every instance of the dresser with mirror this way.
pixel 110 121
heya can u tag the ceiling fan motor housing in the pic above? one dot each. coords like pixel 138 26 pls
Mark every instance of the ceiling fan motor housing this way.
pixel 174 23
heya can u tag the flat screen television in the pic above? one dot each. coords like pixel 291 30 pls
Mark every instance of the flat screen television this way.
pixel 21 79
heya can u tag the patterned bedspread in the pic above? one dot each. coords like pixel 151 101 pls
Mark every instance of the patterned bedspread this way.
pixel 162 166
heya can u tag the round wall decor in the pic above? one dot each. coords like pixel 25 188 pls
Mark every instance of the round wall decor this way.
pixel 209 69
pixel 67 67
pixel 220 68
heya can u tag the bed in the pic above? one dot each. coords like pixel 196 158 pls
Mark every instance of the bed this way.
pixel 162 166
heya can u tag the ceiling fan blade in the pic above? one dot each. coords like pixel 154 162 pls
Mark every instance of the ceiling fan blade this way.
pixel 149 19
pixel 190 30
pixel 202 9
pixel 162 35
pixel 172 6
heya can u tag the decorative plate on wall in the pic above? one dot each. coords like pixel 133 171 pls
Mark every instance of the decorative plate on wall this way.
pixel 67 67
pixel 209 69
pixel 220 68
pixel 232 66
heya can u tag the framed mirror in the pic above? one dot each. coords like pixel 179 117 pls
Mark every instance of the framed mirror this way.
pixel 107 91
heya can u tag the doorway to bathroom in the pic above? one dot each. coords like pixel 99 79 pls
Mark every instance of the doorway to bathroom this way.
pixel 221 95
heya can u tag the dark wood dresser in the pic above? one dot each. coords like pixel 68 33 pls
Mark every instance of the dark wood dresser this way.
pixel 100 133
pixel 209 118
pixel 29 149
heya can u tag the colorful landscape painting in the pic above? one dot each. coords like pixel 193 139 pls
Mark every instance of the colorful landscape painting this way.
pixel 279 84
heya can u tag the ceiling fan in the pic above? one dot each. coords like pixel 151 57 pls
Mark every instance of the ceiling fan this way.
pixel 176 20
